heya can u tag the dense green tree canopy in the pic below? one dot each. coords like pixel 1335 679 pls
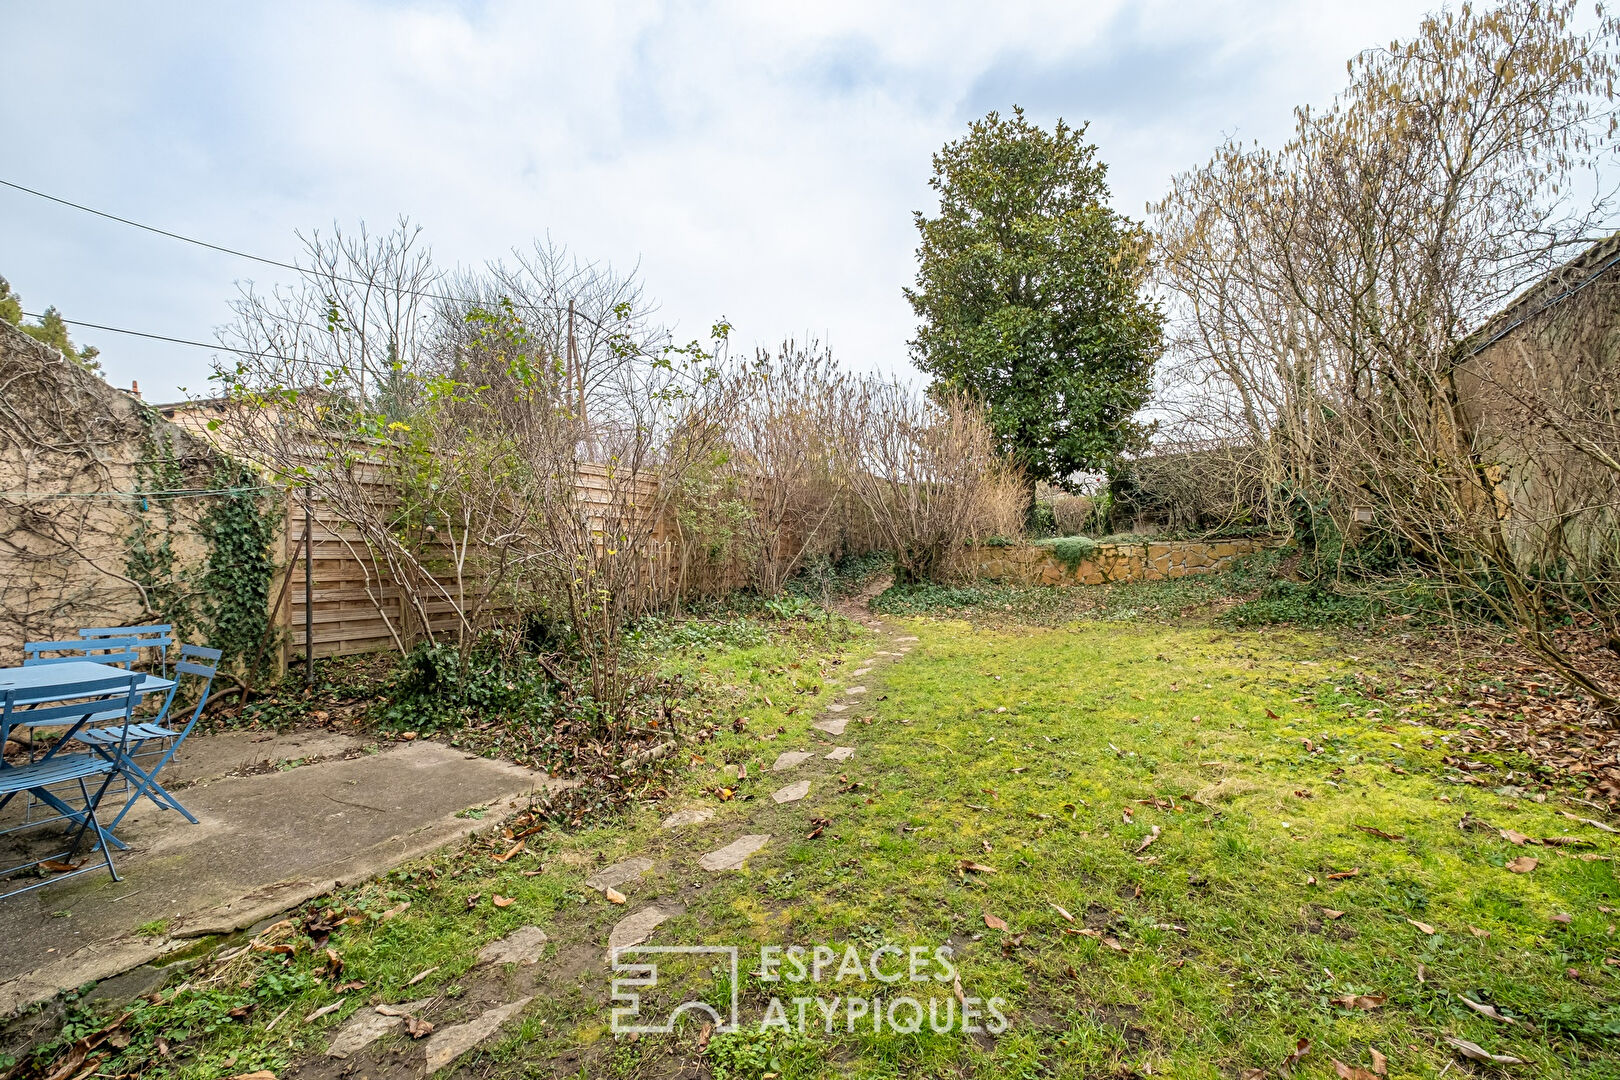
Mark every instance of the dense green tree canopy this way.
pixel 50 329
pixel 1029 295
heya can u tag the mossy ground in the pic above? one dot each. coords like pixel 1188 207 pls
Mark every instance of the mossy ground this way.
pixel 1050 754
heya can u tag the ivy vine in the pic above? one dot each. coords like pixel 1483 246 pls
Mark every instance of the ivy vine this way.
pixel 223 599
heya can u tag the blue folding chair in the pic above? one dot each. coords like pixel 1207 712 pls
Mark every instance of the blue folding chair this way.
pixel 157 636
pixel 195 661
pixel 68 705
pixel 119 652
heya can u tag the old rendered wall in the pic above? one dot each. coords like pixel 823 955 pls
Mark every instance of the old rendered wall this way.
pixel 73 453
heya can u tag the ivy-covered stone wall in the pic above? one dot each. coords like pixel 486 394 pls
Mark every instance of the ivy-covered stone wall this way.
pixel 111 515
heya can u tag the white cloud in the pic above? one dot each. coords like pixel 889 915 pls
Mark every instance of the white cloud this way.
pixel 760 161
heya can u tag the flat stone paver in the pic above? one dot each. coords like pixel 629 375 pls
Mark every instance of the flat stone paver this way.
pixel 792 759
pixel 855 691
pixel 688 817
pixel 734 854
pixel 365 1027
pixel 638 926
pixel 912 638
pixel 833 725
pixel 522 946
pixel 444 1047
pixel 858 672
pixel 620 873
pixel 793 792
pixel 264 843
pixel 841 753
pixel 838 706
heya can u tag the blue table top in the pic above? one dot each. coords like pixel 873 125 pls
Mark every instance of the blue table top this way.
pixel 46 677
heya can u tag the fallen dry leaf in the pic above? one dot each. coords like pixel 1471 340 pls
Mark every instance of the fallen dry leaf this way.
pixel 1332 914
pixel 1477 932
pixel 1380 833
pixel 398 909
pixel 1560 917
pixel 1059 909
pixel 614 896
pixel 502 901
pixel 1479 1053
pixel 993 922
pixel 1423 926
pixel 1359 1001
pixel 1301 1048
pixel 1380 1062
pixel 1351 1072
pixel 416 1027
pixel 262 1074
pixel 1485 1010
pixel 1518 838
pixel 977 868
pixel 420 975
pixel 324 1009
pixel 1589 821
pixel 1341 875
pixel 1143 846
pixel 1523 864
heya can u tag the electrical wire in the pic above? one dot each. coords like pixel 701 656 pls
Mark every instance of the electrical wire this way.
pixel 556 308
pixel 160 337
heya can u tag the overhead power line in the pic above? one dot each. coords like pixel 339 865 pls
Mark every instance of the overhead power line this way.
pixel 238 253
pixel 161 337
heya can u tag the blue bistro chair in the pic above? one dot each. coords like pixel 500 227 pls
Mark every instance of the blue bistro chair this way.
pixel 131 738
pixel 119 652
pixel 66 706
pixel 157 636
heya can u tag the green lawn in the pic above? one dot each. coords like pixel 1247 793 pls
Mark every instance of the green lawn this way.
pixel 1204 844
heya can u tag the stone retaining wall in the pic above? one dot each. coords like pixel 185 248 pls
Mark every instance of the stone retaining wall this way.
pixel 1033 564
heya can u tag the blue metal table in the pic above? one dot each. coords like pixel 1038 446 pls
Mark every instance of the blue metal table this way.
pixel 43 678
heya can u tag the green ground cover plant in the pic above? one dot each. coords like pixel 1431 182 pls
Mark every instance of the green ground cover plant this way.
pixel 1172 848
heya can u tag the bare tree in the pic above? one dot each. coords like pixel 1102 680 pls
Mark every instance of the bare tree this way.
pixel 1324 294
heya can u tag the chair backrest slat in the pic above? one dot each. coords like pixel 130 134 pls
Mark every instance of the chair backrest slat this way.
pixel 157 636
pixel 69 701
pixel 96 651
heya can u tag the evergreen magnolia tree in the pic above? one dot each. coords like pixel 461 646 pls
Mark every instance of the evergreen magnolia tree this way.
pixel 1029 296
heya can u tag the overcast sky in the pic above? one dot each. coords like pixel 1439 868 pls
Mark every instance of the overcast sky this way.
pixel 757 161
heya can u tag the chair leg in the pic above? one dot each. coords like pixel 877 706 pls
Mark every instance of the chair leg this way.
pixel 89 816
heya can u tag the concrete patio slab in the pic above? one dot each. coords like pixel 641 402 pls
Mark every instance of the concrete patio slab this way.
pixel 266 841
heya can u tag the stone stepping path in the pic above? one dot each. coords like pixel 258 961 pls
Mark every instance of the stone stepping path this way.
pixel 444 1047
pixel 792 793
pixel 527 944
pixel 637 927
pixel 620 873
pixel 734 854
pixel 688 817
pixel 521 946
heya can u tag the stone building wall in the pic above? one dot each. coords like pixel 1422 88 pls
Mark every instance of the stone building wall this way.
pixel 74 453
pixel 1033 564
